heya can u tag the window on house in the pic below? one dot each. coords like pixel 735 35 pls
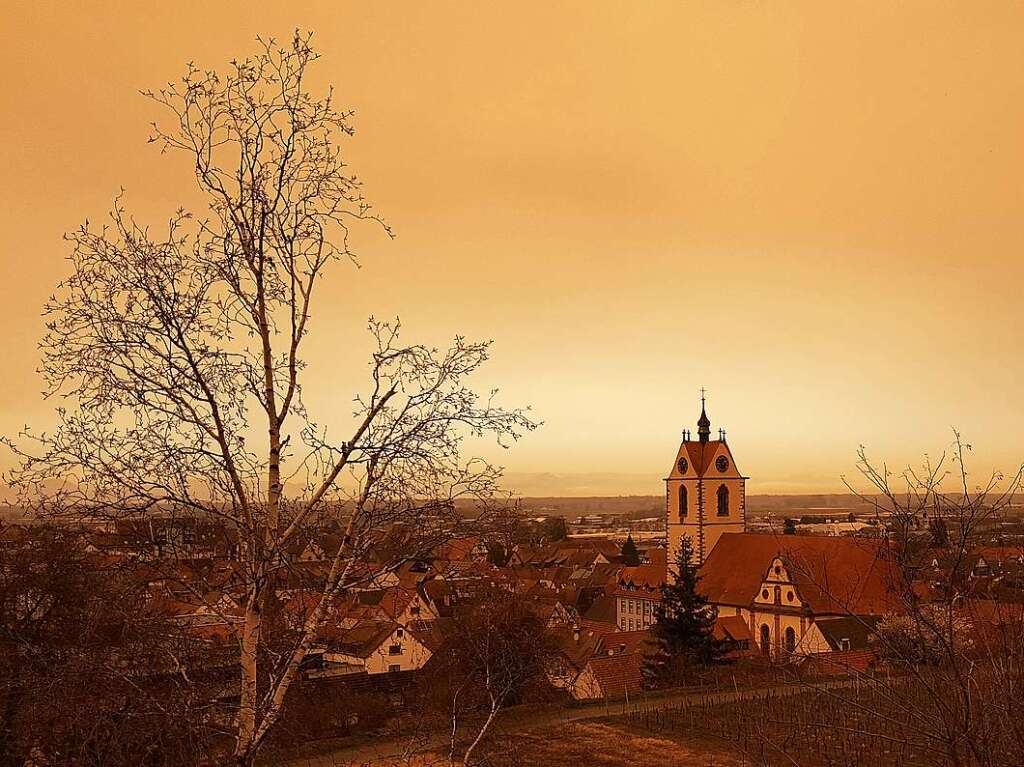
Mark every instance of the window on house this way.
pixel 400 633
pixel 414 610
pixel 766 647
pixel 844 644
pixel 395 649
pixel 723 501
pixel 393 668
pixel 682 503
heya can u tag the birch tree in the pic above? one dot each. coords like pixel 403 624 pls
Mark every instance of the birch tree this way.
pixel 178 361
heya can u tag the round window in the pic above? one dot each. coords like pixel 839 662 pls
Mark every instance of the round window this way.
pixel 778 570
pixel 764 593
pixel 682 465
pixel 722 463
pixel 789 596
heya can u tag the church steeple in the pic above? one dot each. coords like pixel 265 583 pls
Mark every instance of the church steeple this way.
pixel 705 494
pixel 703 423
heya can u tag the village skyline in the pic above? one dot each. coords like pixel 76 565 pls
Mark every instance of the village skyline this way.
pixel 500 384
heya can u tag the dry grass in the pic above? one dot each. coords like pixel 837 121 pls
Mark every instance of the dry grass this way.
pixel 583 744
pixel 609 744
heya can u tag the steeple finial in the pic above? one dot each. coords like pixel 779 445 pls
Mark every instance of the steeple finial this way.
pixel 703 423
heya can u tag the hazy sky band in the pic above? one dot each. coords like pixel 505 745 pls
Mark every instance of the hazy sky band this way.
pixel 814 210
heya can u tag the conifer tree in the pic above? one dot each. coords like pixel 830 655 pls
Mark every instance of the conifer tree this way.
pixel 630 556
pixel 684 627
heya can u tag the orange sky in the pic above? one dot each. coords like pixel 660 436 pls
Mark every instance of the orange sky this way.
pixel 813 209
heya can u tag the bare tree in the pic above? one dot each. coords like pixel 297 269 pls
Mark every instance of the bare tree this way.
pixel 498 653
pixel 88 676
pixel 180 360
pixel 953 663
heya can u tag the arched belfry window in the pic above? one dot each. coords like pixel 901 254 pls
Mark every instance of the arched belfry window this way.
pixel 683 508
pixel 723 501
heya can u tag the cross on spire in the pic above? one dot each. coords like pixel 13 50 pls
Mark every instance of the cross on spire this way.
pixel 703 423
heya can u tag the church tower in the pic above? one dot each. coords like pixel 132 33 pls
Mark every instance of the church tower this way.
pixel 705 494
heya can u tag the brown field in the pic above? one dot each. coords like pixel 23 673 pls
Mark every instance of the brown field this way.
pixel 610 744
pixel 576 744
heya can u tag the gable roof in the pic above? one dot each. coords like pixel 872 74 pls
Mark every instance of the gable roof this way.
pixel 857 631
pixel 627 642
pixel 360 640
pixel 701 457
pixel 731 627
pixel 576 645
pixel 617 675
pixel 833 575
pixel 602 610
pixel 648 576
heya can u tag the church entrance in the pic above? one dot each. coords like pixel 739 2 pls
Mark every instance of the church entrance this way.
pixel 766 645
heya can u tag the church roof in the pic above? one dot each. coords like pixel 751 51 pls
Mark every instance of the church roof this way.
pixel 701 455
pixel 833 575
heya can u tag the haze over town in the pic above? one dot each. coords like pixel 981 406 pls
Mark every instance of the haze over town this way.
pixel 503 384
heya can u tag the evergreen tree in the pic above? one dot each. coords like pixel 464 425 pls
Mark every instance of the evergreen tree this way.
pixel 683 632
pixel 789 526
pixel 630 556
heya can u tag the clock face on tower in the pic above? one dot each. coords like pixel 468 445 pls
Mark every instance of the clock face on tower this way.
pixel 722 463
pixel 682 465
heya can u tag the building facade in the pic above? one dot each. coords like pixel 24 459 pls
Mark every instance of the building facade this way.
pixel 637 596
pixel 789 596
pixel 791 589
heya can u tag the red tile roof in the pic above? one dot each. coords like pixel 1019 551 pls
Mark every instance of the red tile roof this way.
pixel 732 627
pixel 840 662
pixel 617 675
pixel 834 575
pixel 627 642
pixel 648 576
